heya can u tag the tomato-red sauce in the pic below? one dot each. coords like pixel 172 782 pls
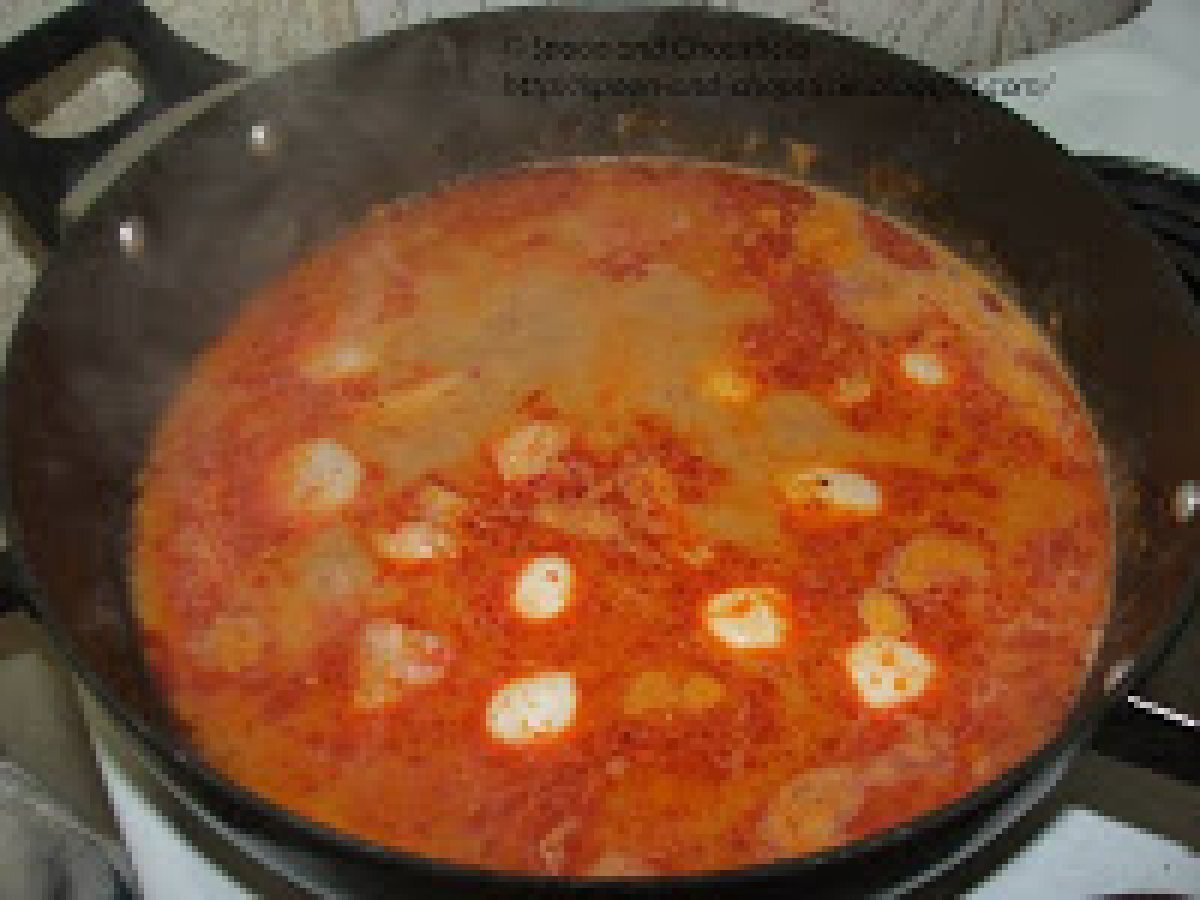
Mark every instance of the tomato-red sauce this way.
pixel 623 519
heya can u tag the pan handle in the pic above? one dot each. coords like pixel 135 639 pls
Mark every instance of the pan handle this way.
pixel 37 173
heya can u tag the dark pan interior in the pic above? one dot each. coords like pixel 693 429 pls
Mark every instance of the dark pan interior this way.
pixel 108 336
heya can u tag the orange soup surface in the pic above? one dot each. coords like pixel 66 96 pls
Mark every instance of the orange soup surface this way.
pixel 623 519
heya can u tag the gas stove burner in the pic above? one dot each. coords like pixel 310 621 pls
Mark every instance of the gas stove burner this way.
pixel 1166 201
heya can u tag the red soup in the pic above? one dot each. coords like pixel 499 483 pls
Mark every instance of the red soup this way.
pixel 623 519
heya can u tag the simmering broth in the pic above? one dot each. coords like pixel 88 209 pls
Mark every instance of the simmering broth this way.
pixel 623 519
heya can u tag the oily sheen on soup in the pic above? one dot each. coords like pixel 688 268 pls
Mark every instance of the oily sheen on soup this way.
pixel 623 519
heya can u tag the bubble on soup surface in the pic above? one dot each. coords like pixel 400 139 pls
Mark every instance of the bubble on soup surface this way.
pixel 748 618
pixel 832 490
pixel 530 450
pixel 888 672
pixel 414 543
pixel 923 368
pixel 337 362
pixel 532 709
pixel 318 476
pixel 811 811
pixel 543 588
pixel 393 657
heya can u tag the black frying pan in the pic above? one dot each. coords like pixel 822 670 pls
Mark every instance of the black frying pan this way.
pixel 210 213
